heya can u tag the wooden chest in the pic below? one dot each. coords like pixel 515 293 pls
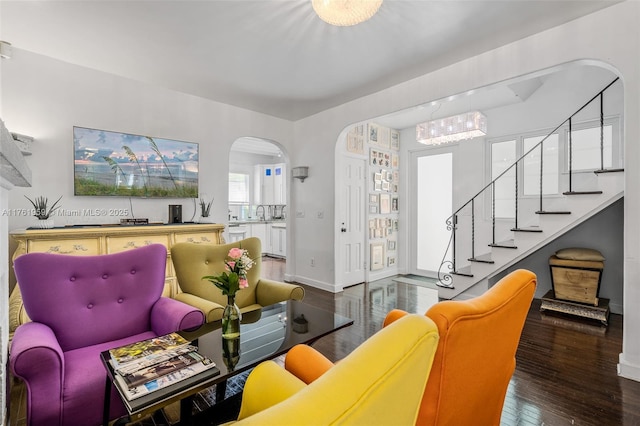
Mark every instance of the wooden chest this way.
pixel 576 280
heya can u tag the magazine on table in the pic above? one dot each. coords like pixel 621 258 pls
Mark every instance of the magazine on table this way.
pixel 163 368
pixel 131 358
pixel 165 380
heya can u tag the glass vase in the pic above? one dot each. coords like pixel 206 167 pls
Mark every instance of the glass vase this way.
pixel 231 319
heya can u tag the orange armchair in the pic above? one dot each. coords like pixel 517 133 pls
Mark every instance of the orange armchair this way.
pixel 475 358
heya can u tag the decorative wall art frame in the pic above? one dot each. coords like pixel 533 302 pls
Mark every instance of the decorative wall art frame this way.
pixel 391 261
pixel 391 245
pixel 385 203
pixel 395 140
pixel 376 251
pixel 374 131
pixel 395 161
pixel 373 209
pixel 355 139
pixel 394 204
pixel 373 199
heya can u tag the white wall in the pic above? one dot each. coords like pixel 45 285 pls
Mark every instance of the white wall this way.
pixel 45 98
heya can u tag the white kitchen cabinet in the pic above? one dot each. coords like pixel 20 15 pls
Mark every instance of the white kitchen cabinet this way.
pixel 259 230
pixel 270 181
pixel 237 233
pixel 279 240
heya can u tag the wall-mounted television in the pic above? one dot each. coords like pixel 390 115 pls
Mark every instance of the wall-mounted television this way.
pixel 110 163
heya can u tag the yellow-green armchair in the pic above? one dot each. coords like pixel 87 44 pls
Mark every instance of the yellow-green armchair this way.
pixel 380 383
pixel 193 261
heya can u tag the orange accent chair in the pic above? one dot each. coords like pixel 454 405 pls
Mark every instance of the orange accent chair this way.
pixel 475 358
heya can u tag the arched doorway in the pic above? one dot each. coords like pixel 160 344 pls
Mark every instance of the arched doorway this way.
pixel 258 194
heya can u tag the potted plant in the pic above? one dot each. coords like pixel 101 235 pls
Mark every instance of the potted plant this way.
pixel 205 210
pixel 43 212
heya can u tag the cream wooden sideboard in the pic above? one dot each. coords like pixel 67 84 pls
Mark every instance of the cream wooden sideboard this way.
pixel 91 240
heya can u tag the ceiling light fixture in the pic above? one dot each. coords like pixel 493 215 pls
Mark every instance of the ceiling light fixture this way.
pixel 345 13
pixel 451 129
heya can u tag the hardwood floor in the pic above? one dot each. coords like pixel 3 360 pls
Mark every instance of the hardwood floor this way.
pixel 565 372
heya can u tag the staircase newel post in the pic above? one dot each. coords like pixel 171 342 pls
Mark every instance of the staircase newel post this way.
pixel 493 212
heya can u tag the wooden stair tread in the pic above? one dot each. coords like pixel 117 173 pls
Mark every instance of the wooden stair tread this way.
pixel 510 244
pixel 528 229
pixel 608 171
pixel 552 212
pixel 582 192
pixel 484 258
pixel 465 272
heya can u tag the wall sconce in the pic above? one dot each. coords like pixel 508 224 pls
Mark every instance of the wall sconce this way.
pixel 301 172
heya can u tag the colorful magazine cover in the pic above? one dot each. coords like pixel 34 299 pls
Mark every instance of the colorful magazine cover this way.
pixel 171 365
pixel 144 348
pixel 164 381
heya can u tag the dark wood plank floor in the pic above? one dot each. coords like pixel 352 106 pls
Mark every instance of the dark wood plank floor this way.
pixel 566 368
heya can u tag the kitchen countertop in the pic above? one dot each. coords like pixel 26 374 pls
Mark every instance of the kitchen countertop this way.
pixel 250 221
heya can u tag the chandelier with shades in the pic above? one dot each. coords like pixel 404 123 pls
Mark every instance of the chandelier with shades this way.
pixel 451 129
pixel 345 13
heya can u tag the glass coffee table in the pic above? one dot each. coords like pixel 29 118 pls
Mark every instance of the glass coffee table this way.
pixel 264 334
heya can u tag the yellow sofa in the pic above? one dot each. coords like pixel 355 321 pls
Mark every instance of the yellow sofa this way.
pixel 193 261
pixel 475 358
pixel 380 383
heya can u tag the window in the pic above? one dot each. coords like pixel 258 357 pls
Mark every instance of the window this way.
pixel 585 153
pixel 238 188
pixel 550 165
pixel 503 155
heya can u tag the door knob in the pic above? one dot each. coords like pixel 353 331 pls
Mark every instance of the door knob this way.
pixel 343 229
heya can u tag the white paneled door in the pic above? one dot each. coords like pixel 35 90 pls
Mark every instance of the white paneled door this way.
pixel 351 220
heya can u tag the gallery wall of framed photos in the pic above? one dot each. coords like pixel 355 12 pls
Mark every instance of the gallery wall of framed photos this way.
pixel 382 145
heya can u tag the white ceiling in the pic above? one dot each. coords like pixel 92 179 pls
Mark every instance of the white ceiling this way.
pixel 273 56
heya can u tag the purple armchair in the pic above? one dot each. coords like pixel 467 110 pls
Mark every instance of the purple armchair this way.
pixel 79 307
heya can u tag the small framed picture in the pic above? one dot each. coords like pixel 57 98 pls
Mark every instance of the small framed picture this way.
pixel 385 203
pixel 391 245
pixel 373 199
pixel 377 177
pixel 391 261
pixel 377 256
pixel 377 186
pixel 385 185
pixel 394 204
pixel 373 209
pixel 395 140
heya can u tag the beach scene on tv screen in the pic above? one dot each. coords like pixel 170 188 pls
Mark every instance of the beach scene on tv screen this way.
pixel 112 163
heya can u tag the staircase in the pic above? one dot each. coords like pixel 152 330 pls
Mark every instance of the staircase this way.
pixel 538 220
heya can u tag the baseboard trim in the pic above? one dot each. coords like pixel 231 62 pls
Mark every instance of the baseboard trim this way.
pixel 317 284
pixel 628 371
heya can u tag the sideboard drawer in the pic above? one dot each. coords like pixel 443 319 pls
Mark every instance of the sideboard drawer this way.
pixel 79 246
pixel 198 238
pixel 118 244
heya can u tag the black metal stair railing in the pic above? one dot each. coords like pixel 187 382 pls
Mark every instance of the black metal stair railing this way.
pixel 445 278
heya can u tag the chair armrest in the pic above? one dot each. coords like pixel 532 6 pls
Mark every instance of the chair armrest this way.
pixel 36 357
pixel 306 363
pixel 267 385
pixel 269 292
pixel 393 315
pixel 212 311
pixel 169 315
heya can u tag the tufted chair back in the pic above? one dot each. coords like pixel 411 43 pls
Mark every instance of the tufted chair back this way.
pixel 87 300
pixel 193 261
